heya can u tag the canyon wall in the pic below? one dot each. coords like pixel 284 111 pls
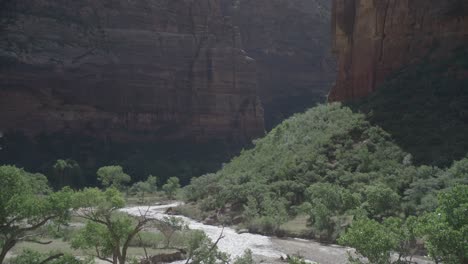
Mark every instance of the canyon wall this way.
pixel 375 38
pixel 126 70
pixel 290 40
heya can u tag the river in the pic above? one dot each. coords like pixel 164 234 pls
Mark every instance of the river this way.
pixel 265 249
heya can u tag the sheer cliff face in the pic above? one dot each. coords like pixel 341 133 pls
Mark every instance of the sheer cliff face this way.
pixel 290 40
pixel 126 70
pixel 373 39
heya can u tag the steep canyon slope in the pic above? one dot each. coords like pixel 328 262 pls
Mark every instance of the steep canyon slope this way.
pixel 406 63
pixel 375 38
pixel 290 40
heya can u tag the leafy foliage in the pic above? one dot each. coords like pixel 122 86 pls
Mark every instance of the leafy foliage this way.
pixel 446 229
pixel 201 250
pixel 246 258
pixel 371 240
pixel 107 231
pixel 113 176
pixel 425 108
pixel 67 173
pixel 329 163
pixel 327 144
pixel 32 257
pixel 171 187
pixel 26 205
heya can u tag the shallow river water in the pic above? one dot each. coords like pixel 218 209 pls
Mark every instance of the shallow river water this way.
pixel 265 249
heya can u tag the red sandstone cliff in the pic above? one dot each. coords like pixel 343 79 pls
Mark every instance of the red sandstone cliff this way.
pixel 374 38
pixel 290 40
pixel 126 70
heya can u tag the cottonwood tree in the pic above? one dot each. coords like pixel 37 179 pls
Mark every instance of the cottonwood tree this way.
pixel 371 240
pixel 26 204
pixel 171 187
pixel 107 231
pixel 113 176
pixel 140 189
pixel 169 225
pixel 152 181
pixel 67 173
pixel 445 231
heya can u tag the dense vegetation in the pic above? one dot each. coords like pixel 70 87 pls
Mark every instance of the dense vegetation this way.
pixel 424 107
pixel 31 212
pixel 333 165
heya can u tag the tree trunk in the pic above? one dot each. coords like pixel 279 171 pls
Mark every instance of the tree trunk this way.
pixel 9 244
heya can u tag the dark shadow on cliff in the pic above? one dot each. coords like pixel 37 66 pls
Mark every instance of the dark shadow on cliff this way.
pixel 281 109
pixel 425 108
pixel 182 159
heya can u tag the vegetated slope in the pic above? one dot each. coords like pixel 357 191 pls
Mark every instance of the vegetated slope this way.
pixel 425 108
pixel 329 163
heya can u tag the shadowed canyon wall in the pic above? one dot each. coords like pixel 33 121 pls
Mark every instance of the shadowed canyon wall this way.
pixel 290 40
pixel 146 70
pixel 375 38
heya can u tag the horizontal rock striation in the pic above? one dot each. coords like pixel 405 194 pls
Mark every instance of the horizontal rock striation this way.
pixel 375 38
pixel 126 70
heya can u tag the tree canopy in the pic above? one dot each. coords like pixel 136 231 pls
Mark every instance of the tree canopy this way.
pixel 26 204
pixel 113 176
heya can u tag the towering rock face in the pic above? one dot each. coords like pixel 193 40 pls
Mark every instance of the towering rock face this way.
pixel 290 40
pixel 375 38
pixel 126 70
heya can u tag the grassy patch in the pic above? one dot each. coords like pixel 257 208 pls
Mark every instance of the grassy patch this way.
pixel 296 227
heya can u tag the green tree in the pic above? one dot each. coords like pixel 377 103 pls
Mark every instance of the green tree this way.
pixel 371 240
pixel 246 258
pixel 171 187
pixel 107 231
pixel 24 207
pixel 113 176
pixel 445 231
pixel 67 173
pixel 381 201
pixel 140 189
pixel 326 204
pixel 405 232
pixel 201 250
pixel 169 225
pixel 152 181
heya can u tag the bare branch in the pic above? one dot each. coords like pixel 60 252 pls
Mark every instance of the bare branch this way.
pixel 52 258
pixel 39 242
pixel 98 255
pixel 144 247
